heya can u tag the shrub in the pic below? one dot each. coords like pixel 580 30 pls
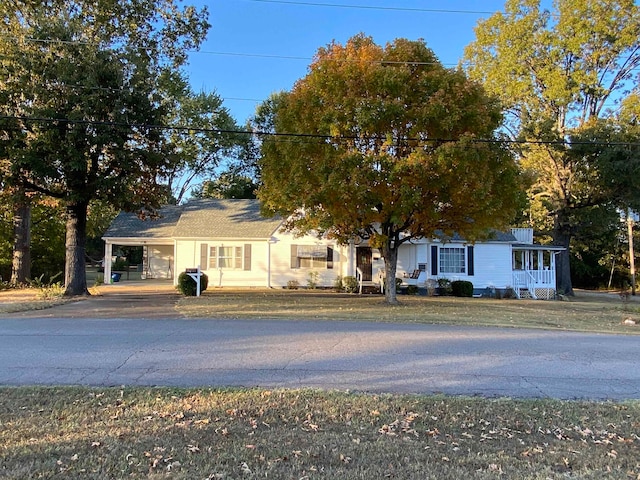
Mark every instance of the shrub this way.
pixel 509 292
pixel 412 290
pixel 337 284
pixel 187 285
pixel 119 265
pixel 398 284
pixel 444 286
pixel 312 280
pixel 350 284
pixel 293 285
pixel 51 292
pixel 462 288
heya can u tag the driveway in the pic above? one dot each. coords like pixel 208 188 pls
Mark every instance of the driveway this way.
pixel 137 338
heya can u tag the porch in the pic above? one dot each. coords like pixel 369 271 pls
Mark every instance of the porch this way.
pixel 534 271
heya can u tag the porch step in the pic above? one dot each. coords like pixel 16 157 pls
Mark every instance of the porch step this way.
pixel 524 293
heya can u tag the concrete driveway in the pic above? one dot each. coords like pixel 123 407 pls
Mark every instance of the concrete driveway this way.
pixel 71 345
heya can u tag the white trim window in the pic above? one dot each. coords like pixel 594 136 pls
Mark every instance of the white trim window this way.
pixel 452 260
pixel 234 257
pixel 311 256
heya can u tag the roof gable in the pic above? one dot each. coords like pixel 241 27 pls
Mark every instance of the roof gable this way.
pixel 202 218
pixel 224 219
pixel 129 225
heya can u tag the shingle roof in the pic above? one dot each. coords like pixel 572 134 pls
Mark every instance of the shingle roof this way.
pixel 203 218
pixel 128 225
pixel 224 219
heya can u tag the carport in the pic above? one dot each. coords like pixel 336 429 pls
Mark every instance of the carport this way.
pixel 154 235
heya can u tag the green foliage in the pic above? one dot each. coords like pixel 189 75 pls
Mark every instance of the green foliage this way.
pixel 51 292
pixel 338 286
pixel 38 282
pixel 293 285
pixel 557 72
pixel 199 153
pixel 74 106
pixel 462 288
pixel 379 167
pixel 412 290
pixel 228 185
pixel 350 284
pixel 312 280
pixel 188 287
pixel 120 264
pixel 444 286
pixel 6 234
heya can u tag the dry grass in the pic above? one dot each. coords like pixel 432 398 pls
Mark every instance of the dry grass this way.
pixel 22 299
pixel 586 312
pixel 302 434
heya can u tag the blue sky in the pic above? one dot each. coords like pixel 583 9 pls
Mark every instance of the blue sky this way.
pixel 242 58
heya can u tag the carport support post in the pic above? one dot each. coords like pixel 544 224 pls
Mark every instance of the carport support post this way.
pixel 108 252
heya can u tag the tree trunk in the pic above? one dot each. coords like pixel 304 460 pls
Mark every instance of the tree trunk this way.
pixel 21 266
pixel 562 238
pixel 390 254
pixel 75 275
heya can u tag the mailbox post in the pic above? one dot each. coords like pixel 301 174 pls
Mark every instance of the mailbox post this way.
pixel 196 274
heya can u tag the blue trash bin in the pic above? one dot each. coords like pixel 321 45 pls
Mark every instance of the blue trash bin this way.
pixel 116 276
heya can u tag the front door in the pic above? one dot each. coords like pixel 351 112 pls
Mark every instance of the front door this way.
pixel 363 262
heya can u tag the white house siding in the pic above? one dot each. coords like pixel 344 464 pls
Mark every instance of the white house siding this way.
pixel 281 269
pixel 410 257
pixel 491 263
pixel 492 266
pixel 252 274
pixel 159 262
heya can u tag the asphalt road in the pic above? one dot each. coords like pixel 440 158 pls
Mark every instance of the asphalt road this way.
pixel 347 356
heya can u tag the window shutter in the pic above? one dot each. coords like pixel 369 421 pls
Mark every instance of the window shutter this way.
pixel 294 256
pixel 470 260
pixel 204 256
pixel 434 260
pixel 329 257
pixel 237 258
pixel 247 256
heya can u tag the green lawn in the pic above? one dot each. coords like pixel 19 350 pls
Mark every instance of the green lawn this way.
pixel 586 312
pixel 153 433
pixel 302 434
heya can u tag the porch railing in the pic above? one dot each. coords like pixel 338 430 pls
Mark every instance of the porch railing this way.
pixel 534 278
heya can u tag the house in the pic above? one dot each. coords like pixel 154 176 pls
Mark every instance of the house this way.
pixel 237 247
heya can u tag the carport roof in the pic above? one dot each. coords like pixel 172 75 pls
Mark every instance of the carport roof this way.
pixel 202 218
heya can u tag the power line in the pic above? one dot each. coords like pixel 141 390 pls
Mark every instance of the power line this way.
pixel 236 54
pixel 319 136
pixel 374 7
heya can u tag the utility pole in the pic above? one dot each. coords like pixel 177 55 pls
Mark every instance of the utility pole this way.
pixel 632 266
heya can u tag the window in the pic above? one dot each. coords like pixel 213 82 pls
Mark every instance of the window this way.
pixel 311 256
pixel 452 260
pixel 227 257
pixel 234 257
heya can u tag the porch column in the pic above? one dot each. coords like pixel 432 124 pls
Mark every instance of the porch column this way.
pixel 268 263
pixel 108 252
pixel 540 260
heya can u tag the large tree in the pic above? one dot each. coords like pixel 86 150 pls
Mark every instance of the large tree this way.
pixel 79 90
pixel 557 71
pixel 206 135
pixel 386 144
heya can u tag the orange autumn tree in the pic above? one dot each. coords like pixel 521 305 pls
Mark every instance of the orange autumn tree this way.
pixel 386 144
